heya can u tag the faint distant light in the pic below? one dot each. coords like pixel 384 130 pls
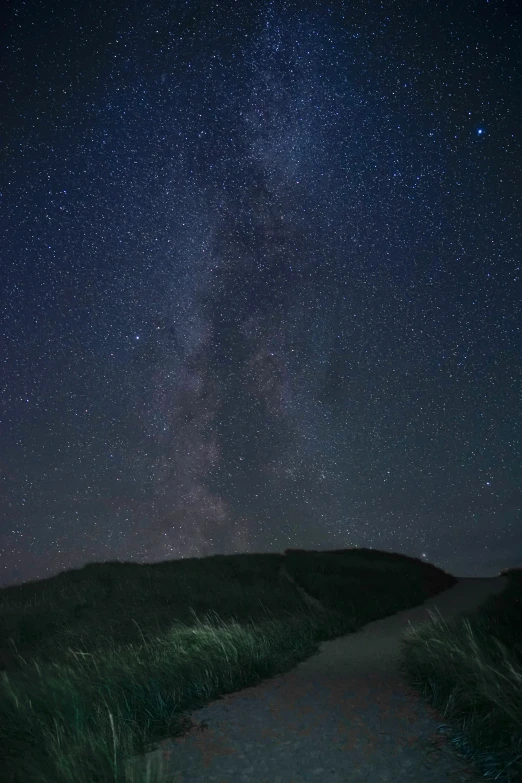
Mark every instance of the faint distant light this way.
pixel 137 337
pixel 481 131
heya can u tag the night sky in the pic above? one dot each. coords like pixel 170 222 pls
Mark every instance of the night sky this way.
pixel 260 281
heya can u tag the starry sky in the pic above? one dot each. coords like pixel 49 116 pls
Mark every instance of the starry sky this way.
pixel 260 281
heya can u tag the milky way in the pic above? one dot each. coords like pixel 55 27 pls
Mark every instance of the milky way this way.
pixel 261 283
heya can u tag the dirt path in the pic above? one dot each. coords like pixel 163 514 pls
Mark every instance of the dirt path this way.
pixel 344 715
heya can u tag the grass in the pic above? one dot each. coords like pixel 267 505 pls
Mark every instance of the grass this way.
pixel 100 664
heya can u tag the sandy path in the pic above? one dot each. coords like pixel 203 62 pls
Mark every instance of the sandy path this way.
pixel 342 716
pixel 376 647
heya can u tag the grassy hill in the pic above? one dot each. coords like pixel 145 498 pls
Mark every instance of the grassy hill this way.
pixel 100 662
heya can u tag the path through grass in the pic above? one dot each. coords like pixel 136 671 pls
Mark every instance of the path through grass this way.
pixel 101 663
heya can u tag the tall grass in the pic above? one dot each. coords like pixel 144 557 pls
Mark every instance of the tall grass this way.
pixel 470 670
pixel 102 663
